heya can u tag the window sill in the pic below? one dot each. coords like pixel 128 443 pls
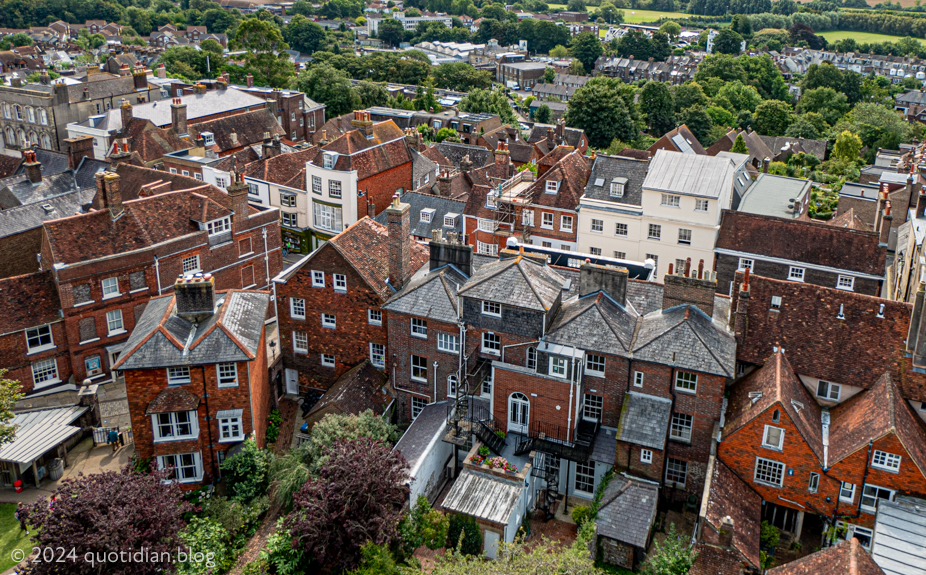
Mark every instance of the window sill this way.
pixel 173 439
pixel 654 239
pixel 492 314
pixel 228 386
pixel 546 228
pixel 773 448
pixel 684 243
pixel 47 383
pixel 305 351
pixel 885 469
pixel 115 333
pixel 249 286
pixel 595 374
pixel 680 440
pixel 848 289
pixel 687 391
pixel 111 296
pixel 767 484
pixel 491 351
pixel 336 290
pixel 417 380
pixel 232 439
pixel 245 255
pixel 41 349
pixel 176 383
pixel 419 336
pixel 298 317
pixel 83 303
pixel 88 341
pixel 139 290
pixel 329 326
pixel 454 352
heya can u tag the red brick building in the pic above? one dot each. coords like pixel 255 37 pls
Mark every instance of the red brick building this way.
pixel 196 377
pixel 330 302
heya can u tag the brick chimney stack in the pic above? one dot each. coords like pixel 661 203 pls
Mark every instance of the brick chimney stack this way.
pixel 611 280
pixel 238 193
pixel 886 220
pixel 466 164
pixel 140 77
pixel 363 123
pixel 194 297
pixel 250 80
pixel 399 228
pixel 78 148
pixel 501 161
pixel 32 166
pixel 560 132
pixel 108 194
pixel 443 183
pixel 126 111
pixel 162 71
pixel 686 287
pixel 738 318
pixel 765 164
pixel 727 527
pixel 178 117
pixel 917 313
pixel 879 207
pixel 120 152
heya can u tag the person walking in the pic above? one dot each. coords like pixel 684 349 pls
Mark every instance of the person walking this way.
pixel 114 439
pixel 20 516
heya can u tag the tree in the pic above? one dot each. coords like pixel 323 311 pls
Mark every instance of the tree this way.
pixel 728 41
pixel 586 47
pixel 739 145
pixel 763 74
pixel 722 66
pixel 461 76
pixel 330 87
pixel 549 74
pixel 877 125
pixel 657 104
pixel 15 41
pixel 10 393
pixel 826 102
pixel 823 75
pixel 576 6
pixel 599 108
pixel 772 117
pixel 304 35
pixel 802 33
pixel 847 146
pixel 736 96
pixel 423 525
pixel 391 31
pixel 559 52
pixel 698 121
pixel 446 135
pixel 689 94
pixel 741 25
pixel 356 498
pixel 671 28
pixel 265 56
pixel 247 472
pixel 802 128
pixel 488 101
pixel 635 43
pixel 609 13
pixel 371 94
pixel 110 512
pixel 543 115
pixel 673 557
pixel 576 68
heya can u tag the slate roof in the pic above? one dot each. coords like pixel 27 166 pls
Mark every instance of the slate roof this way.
pixel 608 168
pixel 361 388
pixel 605 444
pixel 778 387
pixel 18 190
pixel 689 174
pixel 455 153
pixel 817 342
pixel 596 323
pixel 731 496
pixel 571 136
pixel 107 88
pixel 483 496
pixel 688 335
pixel 899 546
pixel 627 511
pixel 21 218
pixel 802 241
pixel 873 414
pixel 208 103
pixel 441 206
pixel 758 150
pixel 9 165
pixel 415 441
pixel 517 282
pixel 28 301
pixel 644 420
pixel 173 399
pixel 777 144
pixel 433 296
pixel 162 339
pixel 833 560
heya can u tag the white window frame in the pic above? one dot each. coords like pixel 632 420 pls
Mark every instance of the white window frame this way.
pixel 219 226
pixel 594 251
pixel 684 236
pixel 226 374
pixel 565 223
pixel 375 316
pixel 450 221
pixel 845 487
pixel 340 283
pixel 334 189
pixel 178 375
pixel 654 232
pixel 592 406
pixel 318 279
pixel 110 287
pixel 45 372
pixel 527 218
pixel 491 308
pixel 886 461
pixel 418 404
pixel 300 342
pixel 452 385
pixel 427 214
pixel 677 467
pixel 813 484
pixel 597 226
pixel 419 328
pixel 115 325
pixel 486 225
pixel 327 360
pixel 196 467
pixel 330 320
pixel 550 187
pixel 701 205
pixel 448 342
pixel 191 264
pixel 646 456
pixel 795 274
pixel 557 366
pixel 317 185
pixel 878 489
pixel 418 368
pixel 38 334
pixel 683 379
pixel 486 249
pixel 593 370
pixel 829 391
pixel 670 201
pixel 173 422
pixel 766 438
pixel 617 190
pixel 531 359
pixel 681 427
pixel 583 477
pixel 846 283
pixel 378 354
pixel 745 264
pixel 621 230
pixel 495 345
pixel 546 220
pixel 764 467
pixel 638 379
pixel 297 308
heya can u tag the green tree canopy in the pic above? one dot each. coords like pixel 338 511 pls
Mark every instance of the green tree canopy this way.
pixel 736 96
pixel 265 56
pixel 658 105
pixel 488 101
pixel 329 86
pixel 773 117
pixel 599 109
pixel 461 76
pixel 698 121
pixel 689 94
pixel 827 102
pixel 586 48
pixel 671 27
pixel 739 145
pixel 728 42
pixel 543 114
pixel 371 93
pixel 824 75
pixel 304 35
pixel 847 146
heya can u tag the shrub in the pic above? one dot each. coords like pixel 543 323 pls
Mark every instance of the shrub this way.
pixel 207 539
pixel 247 472
pixel 273 426
pixel 484 451
pixel 581 514
pixel 463 531
pixel 280 553
pixel 769 534
pixel 423 525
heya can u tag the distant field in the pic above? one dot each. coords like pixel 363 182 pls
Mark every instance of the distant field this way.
pixel 632 16
pixel 860 37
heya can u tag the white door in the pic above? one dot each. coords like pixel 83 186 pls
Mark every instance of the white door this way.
pixel 518 413
pixel 490 544
pixel 292 382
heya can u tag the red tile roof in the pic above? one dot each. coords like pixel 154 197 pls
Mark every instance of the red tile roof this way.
pixel 836 560
pixel 28 300
pixel 354 141
pixel 572 172
pixel 249 128
pixel 375 160
pixel 361 388
pixel 173 399
pixel 150 142
pixel 731 496
pixel 283 168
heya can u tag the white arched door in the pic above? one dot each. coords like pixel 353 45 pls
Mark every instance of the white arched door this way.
pixel 519 408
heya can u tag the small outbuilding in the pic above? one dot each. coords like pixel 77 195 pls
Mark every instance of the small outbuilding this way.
pixel 625 520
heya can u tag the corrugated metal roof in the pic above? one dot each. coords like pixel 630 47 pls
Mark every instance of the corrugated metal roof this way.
pixel 899 545
pixel 39 431
pixel 484 497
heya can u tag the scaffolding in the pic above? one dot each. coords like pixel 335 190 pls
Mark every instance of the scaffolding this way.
pixel 509 200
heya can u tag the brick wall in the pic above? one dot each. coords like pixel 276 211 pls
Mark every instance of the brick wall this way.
pixel 610 388
pixel 18 253
pixel 627 458
pixel 382 186
pixel 349 341
pixel 403 345
pixel 558 233
pixel 545 394
pixel 513 321
pixel 15 358
pixel 727 266
pixel 261 393
pixel 616 552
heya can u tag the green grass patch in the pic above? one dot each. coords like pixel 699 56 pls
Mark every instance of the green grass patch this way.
pixel 11 537
pixel 634 16
pixel 860 37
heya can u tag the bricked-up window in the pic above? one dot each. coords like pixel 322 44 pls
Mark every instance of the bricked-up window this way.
pixel 491 343
pixel 655 232
pixel 378 354
pixel 244 247
pixel 137 280
pixel 45 372
pixel 557 366
pixel 419 368
pixel 375 317
pixel 773 438
pixel 82 293
pixel 329 320
pixel 597 226
pixel 191 264
pixel 327 360
pixel 531 358
pixel 847 492
pixel 110 287
pixel 681 427
pixel 686 382
pixel 39 338
pixel 247 277
pixel 492 308
pixel 646 456
pixel 594 365
pixel 419 328
pixel 318 279
pixel 300 342
pixel 417 406
pixel 297 308
pixel 886 461
pixel 769 472
pixel 592 407
pixel 814 482
pixel 827 390
pixel 174 425
pixel 227 374
pixel 448 342
pixel 230 427
pixel 87 329
pixel 114 322
pixel 178 375
pixel 676 472
pixel 620 230
pixel 871 494
pixel 188 467
pixel 585 477
pixel 340 283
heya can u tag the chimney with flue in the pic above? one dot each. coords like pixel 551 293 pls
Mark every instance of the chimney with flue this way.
pixel 162 71
pixel 443 184
pixel 502 170
pixel 363 123
pixel 560 131
pixel 32 167
pixel 124 70
pixel 178 117
pixel 399 228
pixel 140 77
pixel 879 206
pixel 450 251
pixel 108 194
pixel 611 280
pixel 688 287
pixel 250 80
pixel 765 164
pixel 77 149
pixel 125 110
pixel 466 164
pixel 738 319
pixel 725 536
pixel 120 152
pixel 194 297
pixel 885 230
pixel 238 194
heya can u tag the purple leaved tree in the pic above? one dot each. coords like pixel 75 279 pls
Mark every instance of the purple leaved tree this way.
pixel 357 497
pixel 112 523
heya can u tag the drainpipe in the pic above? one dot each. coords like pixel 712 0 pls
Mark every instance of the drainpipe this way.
pixel 267 260
pixel 571 393
pixel 504 347
pixel 858 509
pixel 209 420
pixel 435 384
pixel 157 273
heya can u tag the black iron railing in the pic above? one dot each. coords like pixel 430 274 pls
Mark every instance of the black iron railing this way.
pixel 556 440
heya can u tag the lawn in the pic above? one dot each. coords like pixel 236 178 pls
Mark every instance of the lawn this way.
pixel 11 537
pixel 860 37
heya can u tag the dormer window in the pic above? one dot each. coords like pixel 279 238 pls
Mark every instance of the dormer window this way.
pixel 551 187
pixel 328 161
pixel 491 200
pixel 617 187
pixel 427 215
pixel 450 220
pixel 216 227
pixel 208 138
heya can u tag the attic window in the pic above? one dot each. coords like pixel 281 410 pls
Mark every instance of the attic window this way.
pixel 328 161
pixel 776 416
pixel 617 187
pixel 208 138
pixel 755 396
pixel 776 302
pixel 551 187
pixel 599 182
pixel 450 220
pixel 427 215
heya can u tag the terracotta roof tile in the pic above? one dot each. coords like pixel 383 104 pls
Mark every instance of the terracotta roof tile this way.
pixel 28 300
pixel 731 496
pixel 173 399
pixel 249 128
pixel 354 141
pixel 360 389
pixel 835 560
pixel 150 142
pixel 375 160
pixel 572 172
pixel 283 168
